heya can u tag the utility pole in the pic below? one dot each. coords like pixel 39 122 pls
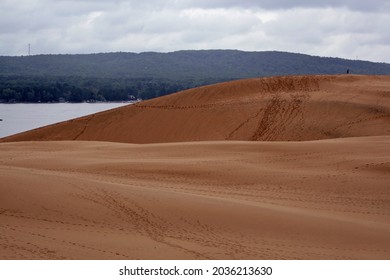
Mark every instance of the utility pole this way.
pixel 29 49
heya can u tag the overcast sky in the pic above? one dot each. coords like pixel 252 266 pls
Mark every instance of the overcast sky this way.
pixel 337 28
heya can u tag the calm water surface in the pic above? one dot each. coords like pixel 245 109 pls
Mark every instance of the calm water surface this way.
pixel 22 117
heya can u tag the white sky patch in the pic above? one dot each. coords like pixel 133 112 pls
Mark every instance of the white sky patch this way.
pixel 266 16
pixel 92 17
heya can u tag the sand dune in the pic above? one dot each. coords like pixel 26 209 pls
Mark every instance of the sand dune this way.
pixel 324 199
pixel 265 109
pixel 275 196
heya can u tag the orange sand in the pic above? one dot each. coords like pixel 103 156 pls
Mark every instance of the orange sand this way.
pixel 323 199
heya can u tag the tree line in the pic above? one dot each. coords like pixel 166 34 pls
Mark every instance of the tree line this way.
pixel 79 89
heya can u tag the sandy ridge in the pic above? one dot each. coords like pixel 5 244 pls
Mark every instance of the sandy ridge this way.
pixel 296 108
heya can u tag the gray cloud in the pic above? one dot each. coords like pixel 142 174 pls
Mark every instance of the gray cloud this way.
pixel 347 29
pixel 373 5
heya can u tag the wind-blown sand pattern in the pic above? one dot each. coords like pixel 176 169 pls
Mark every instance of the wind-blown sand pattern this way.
pixel 285 199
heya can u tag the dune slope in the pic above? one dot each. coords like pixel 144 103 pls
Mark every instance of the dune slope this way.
pixel 324 199
pixel 265 109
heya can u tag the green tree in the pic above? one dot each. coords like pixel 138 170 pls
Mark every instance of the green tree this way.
pixel 8 94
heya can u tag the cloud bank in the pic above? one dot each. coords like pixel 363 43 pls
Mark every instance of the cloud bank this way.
pixel 349 29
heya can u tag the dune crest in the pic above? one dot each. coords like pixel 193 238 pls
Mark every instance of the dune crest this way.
pixel 292 108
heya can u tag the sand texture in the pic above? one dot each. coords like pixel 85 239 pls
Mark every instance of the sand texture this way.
pixel 176 198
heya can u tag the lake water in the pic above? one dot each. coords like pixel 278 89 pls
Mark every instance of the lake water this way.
pixel 22 117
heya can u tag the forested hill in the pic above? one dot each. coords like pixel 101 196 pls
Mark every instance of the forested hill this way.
pixel 220 64
pixel 119 76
